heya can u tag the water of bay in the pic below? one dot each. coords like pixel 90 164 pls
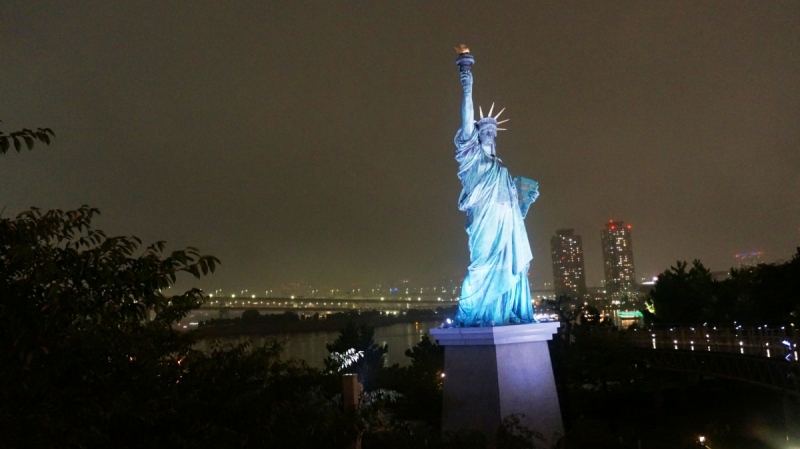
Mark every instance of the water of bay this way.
pixel 310 346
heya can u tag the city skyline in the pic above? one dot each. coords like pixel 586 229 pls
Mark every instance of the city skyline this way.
pixel 313 142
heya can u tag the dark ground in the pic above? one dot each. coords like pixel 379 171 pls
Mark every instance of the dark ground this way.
pixel 729 414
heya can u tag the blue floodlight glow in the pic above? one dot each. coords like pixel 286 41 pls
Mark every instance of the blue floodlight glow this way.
pixel 496 289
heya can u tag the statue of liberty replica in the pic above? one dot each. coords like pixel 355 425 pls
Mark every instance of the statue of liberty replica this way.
pixel 496 290
pixel 495 369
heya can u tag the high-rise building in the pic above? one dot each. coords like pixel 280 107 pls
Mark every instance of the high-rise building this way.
pixel 618 258
pixel 569 275
pixel 748 259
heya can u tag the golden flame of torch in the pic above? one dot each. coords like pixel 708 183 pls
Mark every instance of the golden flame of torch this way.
pixel 461 49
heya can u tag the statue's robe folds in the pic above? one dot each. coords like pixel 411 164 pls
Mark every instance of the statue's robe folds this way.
pixel 496 289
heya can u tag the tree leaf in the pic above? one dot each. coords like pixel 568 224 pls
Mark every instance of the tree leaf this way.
pixel 43 137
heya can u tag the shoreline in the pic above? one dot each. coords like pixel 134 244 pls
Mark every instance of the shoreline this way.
pixel 290 323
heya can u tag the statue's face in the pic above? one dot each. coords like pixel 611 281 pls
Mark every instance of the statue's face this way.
pixel 486 139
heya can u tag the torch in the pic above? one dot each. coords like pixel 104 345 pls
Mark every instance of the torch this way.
pixel 464 60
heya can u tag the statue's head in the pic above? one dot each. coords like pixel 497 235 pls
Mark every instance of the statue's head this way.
pixel 487 129
pixel 487 132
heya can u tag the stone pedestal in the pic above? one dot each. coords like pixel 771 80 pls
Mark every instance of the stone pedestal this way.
pixel 493 372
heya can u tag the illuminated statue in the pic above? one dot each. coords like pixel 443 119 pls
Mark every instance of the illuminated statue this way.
pixel 496 290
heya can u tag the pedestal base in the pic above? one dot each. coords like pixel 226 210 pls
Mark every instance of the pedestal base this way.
pixel 493 372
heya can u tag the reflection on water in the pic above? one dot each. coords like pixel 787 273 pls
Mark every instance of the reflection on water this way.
pixel 310 346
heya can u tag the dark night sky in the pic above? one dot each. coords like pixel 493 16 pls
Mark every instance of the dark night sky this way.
pixel 313 142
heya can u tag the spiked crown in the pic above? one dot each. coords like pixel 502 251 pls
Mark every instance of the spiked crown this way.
pixel 489 121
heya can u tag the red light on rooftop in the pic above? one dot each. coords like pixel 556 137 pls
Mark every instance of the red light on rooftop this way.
pixel 629 226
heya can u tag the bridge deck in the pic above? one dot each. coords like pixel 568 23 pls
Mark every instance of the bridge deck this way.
pixel 761 356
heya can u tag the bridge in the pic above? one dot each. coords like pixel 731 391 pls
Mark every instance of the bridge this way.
pixel 303 304
pixel 763 356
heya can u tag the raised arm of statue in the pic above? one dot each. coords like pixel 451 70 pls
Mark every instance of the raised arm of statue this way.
pixel 467 110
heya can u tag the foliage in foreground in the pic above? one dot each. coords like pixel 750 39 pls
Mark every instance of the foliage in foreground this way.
pixel 510 434
pixel 89 356
pixel 26 136
pixel 360 338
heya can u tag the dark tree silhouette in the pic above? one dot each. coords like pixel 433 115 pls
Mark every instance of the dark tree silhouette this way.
pixel 90 356
pixel 683 294
pixel 764 294
pixel 26 136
